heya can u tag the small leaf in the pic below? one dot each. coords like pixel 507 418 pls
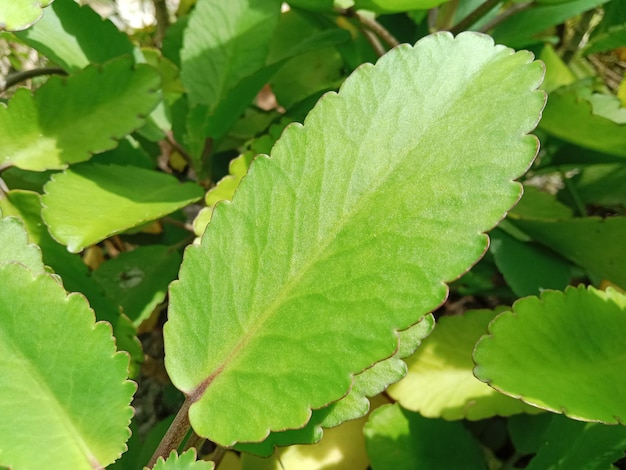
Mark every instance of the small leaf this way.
pixel 61 380
pixel 528 268
pixel 574 338
pixel 73 36
pixel 65 121
pixel 88 203
pixel 14 246
pixel 570 117
pixel 137 280
pixel 396 6
pixel 397 439
pixel 440 383
pixel 348 232
pixel 186 461
pixel 584 241
pixel 16 15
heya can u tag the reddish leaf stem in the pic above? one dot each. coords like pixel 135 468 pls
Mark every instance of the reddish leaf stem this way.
pixel 174 435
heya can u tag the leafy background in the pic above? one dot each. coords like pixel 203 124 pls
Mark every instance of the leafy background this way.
pixel 113 158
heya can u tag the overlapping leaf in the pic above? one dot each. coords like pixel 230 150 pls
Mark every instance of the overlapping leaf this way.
pixel 14 247
pixel 575 339
pixel 440 383
pixel 112 199
pixel 186 461
pixel 348 232
pixel 67 120
pixel 61 380
pixel 73 36
pixel 16 15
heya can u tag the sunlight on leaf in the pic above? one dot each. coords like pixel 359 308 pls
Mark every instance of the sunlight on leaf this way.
pixel 563 352
pixel 16 15
pixel 348 233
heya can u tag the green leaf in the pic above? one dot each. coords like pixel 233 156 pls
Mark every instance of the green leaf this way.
pixel 603 185
pixel 14 246
pixel 60 369
pixel 66 120
pixel 88 203
pixel 355 404
pixel 396 6
pixel 570 117
pixel 584 241
pixel 567 443
pixel 575 339
pixel 524 27
pixel 440 383
pixel 225 42
pixel 397 439
pixel 137 280
pixel 299 282
pixel 75 275
pixel 527 267
pixel 186 461
pixel 16 15
pixel 613 38
pixel 539 205
pixel 73 37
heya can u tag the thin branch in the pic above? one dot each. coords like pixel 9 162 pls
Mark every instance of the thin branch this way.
pixel 505 15
pixel 445 15
pixel 374 42
pixel 382 32
pixel 174 435
pixel 163 19
pixel 569 49
pixel 433 13
pixel 474 16
pixel 18 77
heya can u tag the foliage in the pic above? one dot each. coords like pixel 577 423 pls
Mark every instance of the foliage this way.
pixel 372 261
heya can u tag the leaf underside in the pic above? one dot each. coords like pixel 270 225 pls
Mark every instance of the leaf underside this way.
pixel 348 232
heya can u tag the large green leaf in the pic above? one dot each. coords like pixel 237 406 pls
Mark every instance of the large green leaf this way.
pixel 348 232
pixel 440 383
pixel 88 203
pixel 67 119
pixel 396 6
pixel 563 352
pixel 73 36
pixel 16 15
pixel 14 246
pixel 397 439
pixel 61 380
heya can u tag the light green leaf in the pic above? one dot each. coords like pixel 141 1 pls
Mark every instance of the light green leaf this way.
pixel 570 117
pixel 61 380
pixel 88 203
pixel 528 268
pixel 14 246
pixel 355 404
pixel 348 232
pixel 137 280
pixel 186 461
pixel 16 15
pixel 584 241
pixel 225 42
pixel 539 205
pixel 440 383
pixel 603 185
pixel 396 6
pixel 397 439
pixel 574 338
pixel 73 36
pixel 74 273
pixel 66 120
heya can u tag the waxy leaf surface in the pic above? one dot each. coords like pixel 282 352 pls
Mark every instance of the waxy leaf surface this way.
pixel 348 232
pixel 88 203
pixel 574 338
pixel 61 380
pixel 66 120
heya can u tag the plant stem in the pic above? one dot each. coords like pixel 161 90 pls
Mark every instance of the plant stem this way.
pixel 382 32
pixel 174 435
pixel 474 16
pixel 581 28
pixel 374 42
pixel 162 18
pixel 578 203
pixel 18 77
pixel 445 15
